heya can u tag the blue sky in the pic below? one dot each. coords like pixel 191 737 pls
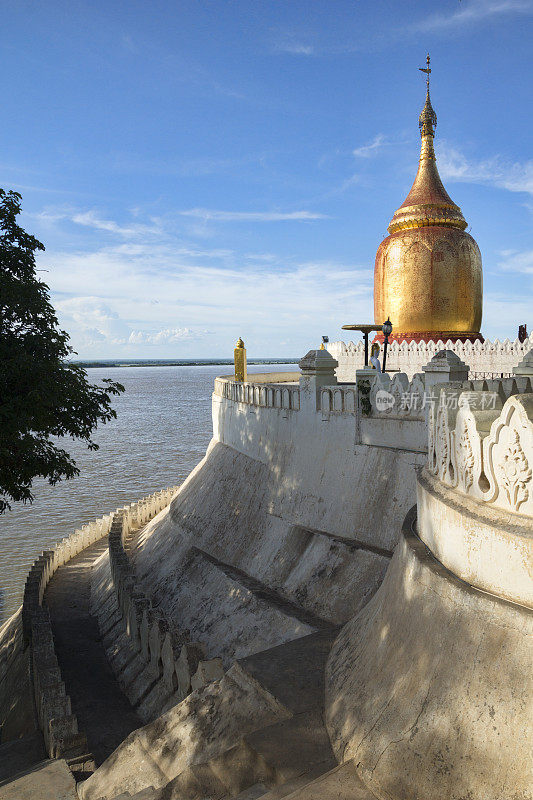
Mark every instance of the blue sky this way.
pixel 203 170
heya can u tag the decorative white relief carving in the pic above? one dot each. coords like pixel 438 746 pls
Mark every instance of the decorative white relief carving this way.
pixel 515 472
pixel 508 456
pixel 467 443
pixel 432 454
pixel 443 447
pixel 484 451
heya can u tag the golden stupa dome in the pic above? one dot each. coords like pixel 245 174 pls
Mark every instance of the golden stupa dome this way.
pixel 428 275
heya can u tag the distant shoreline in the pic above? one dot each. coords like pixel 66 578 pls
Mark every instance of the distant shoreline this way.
pixel 206 362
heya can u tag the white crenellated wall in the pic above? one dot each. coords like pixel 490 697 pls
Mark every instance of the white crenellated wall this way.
pixel 486 360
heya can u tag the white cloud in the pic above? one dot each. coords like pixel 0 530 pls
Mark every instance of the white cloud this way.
pixel 368 150
pixel 474 11
pixel 251 216
pixel 90 219
pixel 166 336
pixel 291 42
pixel 513 176
pixel 502 316
pixel 296 48
pixel 517 261
pixel 149 296
pixel 92 321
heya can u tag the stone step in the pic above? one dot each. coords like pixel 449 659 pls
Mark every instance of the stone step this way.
pixel 293 672
pixel 20 755
pixel 201 730
pixel 145 794
pixel 294 746
pixel 340 783
pixel 253 792
pixel 285 755
pixel 47 780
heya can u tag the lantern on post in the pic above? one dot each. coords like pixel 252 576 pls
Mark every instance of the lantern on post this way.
pixel 387 330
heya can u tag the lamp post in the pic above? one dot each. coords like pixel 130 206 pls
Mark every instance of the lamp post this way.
pixel 387 330
pixel 365 330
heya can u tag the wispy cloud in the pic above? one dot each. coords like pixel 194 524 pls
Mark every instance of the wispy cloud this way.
pixel 370 149
pixel 513 176
pixel 474 11
pixel 251 216
pixel 292 43
pixel 90 219
pixel 165 336
pixel 51 215
pixel 296 48
pixel 517 261
pixel 503 315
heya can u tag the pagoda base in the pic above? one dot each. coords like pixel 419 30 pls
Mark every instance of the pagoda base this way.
pixel 430 336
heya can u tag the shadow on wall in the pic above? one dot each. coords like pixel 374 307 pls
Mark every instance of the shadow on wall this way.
pixel 429 687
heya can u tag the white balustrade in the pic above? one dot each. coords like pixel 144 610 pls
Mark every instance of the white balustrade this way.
pixel 262 395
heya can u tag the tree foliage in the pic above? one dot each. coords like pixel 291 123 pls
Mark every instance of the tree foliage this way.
pixel 42 396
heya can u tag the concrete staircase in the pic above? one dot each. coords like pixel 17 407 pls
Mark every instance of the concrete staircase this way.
pixel 283 757
pixel 290 758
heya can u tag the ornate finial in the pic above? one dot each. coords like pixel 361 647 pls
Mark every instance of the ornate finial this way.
pixel 427 121
pixel 427 70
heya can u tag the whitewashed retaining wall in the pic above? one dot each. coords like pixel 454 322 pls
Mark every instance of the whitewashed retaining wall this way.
pixel 325 450
pixel 487 359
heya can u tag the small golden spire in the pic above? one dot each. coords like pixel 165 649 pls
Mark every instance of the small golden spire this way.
pixel 427 120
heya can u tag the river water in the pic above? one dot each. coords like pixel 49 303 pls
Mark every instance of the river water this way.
pixel 162 430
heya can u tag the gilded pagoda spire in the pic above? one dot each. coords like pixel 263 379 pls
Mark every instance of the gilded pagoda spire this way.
pixel 427 121
pixel 428 202
pixel 428 276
